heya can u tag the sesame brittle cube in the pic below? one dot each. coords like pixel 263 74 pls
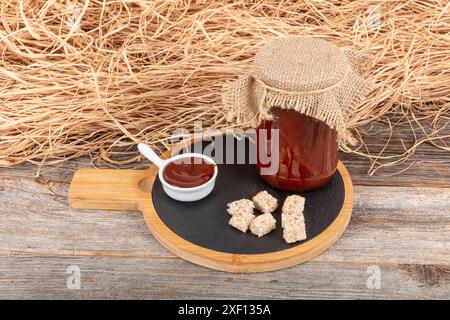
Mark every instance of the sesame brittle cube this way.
pixel 293 227
pixel 293 204
pixel 240 206
pixel 262 224
pixel 241 221
pixel 294 231
pixel 291 219
pixel 265 202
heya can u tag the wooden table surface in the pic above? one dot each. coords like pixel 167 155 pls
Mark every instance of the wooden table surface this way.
pixel 400 227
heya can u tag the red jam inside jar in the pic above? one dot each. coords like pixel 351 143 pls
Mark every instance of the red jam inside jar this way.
pixel 307 157
pixel 188 172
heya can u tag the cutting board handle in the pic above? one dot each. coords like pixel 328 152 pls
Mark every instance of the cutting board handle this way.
pixel 108 189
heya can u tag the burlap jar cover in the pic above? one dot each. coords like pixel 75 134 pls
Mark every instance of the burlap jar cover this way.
pixel 309 75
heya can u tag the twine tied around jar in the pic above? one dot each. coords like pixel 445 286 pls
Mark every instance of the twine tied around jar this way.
pixel 309 75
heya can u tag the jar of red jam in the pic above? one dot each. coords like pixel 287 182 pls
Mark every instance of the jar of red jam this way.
pixel 307 151
pixel 304 91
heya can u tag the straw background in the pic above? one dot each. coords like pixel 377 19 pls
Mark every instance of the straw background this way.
pixel 95 77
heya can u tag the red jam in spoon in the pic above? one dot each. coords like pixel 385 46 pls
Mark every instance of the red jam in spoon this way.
pixel 188 172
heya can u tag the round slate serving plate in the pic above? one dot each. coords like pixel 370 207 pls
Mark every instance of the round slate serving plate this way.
pixel 199 231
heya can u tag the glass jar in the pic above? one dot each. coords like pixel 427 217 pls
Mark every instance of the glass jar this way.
pixel 307 151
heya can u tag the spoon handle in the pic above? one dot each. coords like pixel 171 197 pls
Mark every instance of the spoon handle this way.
pixel 151 155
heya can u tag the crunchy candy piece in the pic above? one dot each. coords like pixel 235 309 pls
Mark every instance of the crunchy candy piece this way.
pixel 262 224
pixel 293 204
pixel 240 206
pixel 241 221
pixel 294 232
pixel 291 219
pixel 265 202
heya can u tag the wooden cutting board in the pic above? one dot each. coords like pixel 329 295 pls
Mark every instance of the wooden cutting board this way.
pixel 199 232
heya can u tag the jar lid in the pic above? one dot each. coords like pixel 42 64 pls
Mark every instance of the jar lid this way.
pixel 309 75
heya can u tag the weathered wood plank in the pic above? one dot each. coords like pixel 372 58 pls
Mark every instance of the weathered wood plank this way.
pixel 422 170
pixel 429 166
pixel 404 230
pixel 401 225
pixel 35 217
pixel 46 277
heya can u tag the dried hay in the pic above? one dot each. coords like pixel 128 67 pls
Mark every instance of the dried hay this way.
pixel 94 77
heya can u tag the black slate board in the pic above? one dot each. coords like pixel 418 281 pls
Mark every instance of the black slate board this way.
pixel 205 222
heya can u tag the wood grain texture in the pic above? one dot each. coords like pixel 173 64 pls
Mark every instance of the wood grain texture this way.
pixel 429 166
pixel 114 278
pixel 405 225
pixel 109 189
pixel 400 223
